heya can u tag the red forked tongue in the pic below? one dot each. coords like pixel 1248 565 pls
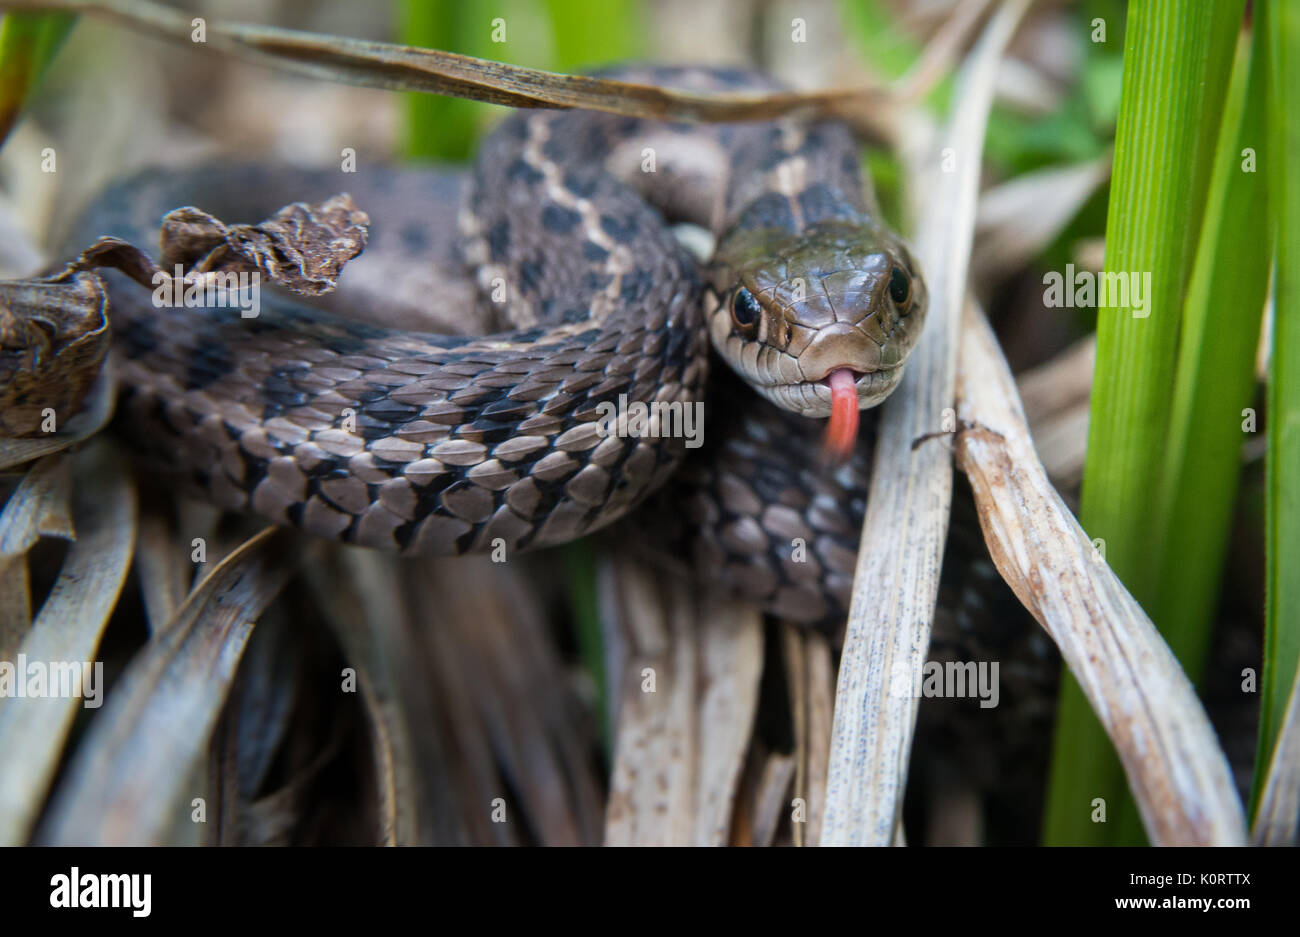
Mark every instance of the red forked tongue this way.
pixel 842 427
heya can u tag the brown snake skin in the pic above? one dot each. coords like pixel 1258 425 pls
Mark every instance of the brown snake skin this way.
pixel 444 444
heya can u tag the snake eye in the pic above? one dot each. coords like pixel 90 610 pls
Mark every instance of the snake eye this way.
pixel 900 287
pixel 745 310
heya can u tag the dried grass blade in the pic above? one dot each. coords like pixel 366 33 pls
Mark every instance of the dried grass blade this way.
pixel 1176 770
pixel 360 595
pixel 163 566
pixel 730 638
pixel 405 68
pixel 15 606
pixel 160 716
pixel 67 631
pixel 769 799
pixel 256 728
pixel 689 693
pixel 39 508
pixel 495 662
pixel 1277 817
pixel 811 679
pixel 897 575
pixel 941 52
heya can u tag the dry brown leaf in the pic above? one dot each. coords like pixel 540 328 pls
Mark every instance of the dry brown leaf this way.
pixel 53 337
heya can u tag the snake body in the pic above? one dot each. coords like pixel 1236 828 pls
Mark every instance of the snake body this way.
pixel 555 262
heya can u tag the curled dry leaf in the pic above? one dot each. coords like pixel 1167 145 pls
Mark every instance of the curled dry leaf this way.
pixel 97 408
pixel 53 339
pixel 301 248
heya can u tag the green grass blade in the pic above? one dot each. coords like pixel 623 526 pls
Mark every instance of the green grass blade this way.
pixel 437 127
pixel 594 32
pixel 551 34
pixel 1216 372
pixel 1281 30
pixel 1176 69
pixel 580 568
pixel 28 43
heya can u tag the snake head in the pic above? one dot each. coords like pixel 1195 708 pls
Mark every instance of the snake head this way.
pixel 788 310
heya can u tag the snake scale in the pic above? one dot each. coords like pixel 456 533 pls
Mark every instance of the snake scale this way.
pixel 558 245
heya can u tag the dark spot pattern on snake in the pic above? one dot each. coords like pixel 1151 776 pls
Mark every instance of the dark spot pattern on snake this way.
pixel 820 202
pixel 523 171
pixel 623 230
pixel 770 211
pixel 560 220
pixel 209 361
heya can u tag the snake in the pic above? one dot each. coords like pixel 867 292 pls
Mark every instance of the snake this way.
pixel 448 396
pixel 548 284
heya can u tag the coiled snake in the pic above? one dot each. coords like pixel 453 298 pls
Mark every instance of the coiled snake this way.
pixel 557 246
